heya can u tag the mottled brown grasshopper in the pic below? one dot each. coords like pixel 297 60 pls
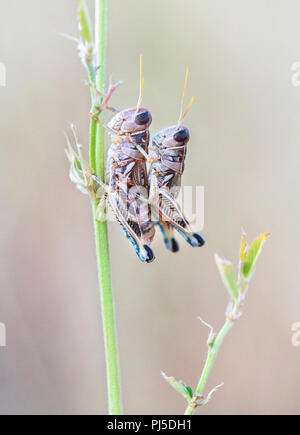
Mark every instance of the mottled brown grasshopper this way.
pixel 127 188
pixel 167 154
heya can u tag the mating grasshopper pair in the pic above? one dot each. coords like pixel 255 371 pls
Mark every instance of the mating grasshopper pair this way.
pixel 141 198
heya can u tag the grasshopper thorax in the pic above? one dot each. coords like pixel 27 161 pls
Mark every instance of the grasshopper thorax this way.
pixel 131 121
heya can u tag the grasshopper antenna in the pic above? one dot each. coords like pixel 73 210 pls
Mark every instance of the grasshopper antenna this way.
pixel 142 81
pixel 111 90
pixel 105 102
pixel 183 114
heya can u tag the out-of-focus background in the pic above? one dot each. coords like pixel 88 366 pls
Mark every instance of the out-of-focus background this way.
pixel 244 149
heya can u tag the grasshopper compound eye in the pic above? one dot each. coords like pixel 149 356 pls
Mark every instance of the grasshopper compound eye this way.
pixel 143 118
pixel 182 135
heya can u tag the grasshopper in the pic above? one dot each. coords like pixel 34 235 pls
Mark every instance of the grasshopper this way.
pixel 127 188
pixel 167 154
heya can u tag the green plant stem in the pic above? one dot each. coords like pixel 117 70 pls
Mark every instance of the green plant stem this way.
pixel 213 349
pixel 93 131
pixel 108 318
pixel 103 262
pixel 100 41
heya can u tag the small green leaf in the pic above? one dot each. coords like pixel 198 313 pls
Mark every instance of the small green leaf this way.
pixel 189 391
pixel 249 255
pixel 179 386
pixel 228 277
pixel 84 21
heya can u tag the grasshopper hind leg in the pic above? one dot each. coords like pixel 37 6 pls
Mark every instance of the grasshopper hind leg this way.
pixel 144 252
pixel 174 245
pixel 199 239
pixel 193 239
pixel 149 254
pixel 170 241
pixel 171 216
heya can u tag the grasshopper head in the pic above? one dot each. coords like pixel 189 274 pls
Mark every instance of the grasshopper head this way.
pixel 131 121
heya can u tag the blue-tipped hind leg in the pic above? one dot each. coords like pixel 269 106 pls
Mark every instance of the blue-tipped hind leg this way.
pixel 150 255
pixel 174 245
pixel 170 242
pixel 144 253
pixel 195 239
pixel 199 238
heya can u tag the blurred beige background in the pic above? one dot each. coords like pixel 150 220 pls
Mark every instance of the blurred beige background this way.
pixel 244 149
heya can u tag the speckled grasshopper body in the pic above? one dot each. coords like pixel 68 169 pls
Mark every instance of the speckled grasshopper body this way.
pixel 127 180
pixel 167 154
pixel 127 188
